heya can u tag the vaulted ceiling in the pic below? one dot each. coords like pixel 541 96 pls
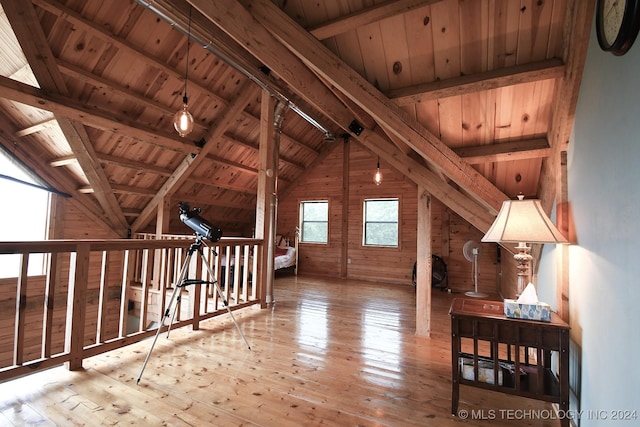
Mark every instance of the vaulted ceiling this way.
pixel 472 99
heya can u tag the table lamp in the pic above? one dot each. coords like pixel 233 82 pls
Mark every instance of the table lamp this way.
pixel 523 221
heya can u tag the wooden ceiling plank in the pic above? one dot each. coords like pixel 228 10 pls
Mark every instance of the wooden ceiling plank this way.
pixel 318 58
pixel 366 16
pixel 75 18
pixel 138 191
pixel 255 148
pixel 133 164
pixel 251 35
pixel 493 79
pixel 233 165
pixel 248 204
pixel 102 83
pixel 242 97
pixel 58 180
pixel 35 47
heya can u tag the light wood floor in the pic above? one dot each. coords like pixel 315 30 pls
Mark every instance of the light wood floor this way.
pixel 329 352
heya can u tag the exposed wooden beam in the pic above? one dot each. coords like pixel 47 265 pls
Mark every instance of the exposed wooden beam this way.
pixel 241 98
pixel 129 189
pixel 130 212
pixel 78 20
pixel 146 167
pixel 509 76
pixel 505 151
pixel 255 148
pixel 111 86
pixel 134 164
pixel 38 127
pixel 64 106
pixel 245 29
pixel 366 16
pixel 60 181
pixel 34 44
pixel 226 185
pixel 63 161
pixel 248 202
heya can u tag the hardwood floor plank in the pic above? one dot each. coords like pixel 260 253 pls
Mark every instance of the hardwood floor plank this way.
pixel 329 352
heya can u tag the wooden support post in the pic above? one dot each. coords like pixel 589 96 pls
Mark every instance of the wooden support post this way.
pixel 423 277
pixel 265 209
pixel 345 210
pixel 77 306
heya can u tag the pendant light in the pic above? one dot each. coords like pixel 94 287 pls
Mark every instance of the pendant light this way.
pixel 183 120
pixel 377 177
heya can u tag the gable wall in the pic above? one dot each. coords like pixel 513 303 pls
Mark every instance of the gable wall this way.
pixel 392 265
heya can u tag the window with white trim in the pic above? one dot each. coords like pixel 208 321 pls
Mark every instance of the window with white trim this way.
pixel 314 221
pixel 380 222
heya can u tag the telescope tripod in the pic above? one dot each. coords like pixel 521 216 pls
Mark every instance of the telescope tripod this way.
pixel 175 297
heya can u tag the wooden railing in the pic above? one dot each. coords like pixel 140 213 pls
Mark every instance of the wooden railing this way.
pixel 99 295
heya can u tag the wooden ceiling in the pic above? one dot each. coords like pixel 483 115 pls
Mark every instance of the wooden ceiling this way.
pixel 472 99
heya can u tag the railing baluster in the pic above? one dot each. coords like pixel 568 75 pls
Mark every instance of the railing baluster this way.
pixel 99 278
pixel 124 292
pixel 102 297
pixel 52 278
pixel 21 305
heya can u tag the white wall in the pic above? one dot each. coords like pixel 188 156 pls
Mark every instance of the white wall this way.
pixel 604 193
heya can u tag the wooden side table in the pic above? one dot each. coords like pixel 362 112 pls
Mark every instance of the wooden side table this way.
pixel 513 356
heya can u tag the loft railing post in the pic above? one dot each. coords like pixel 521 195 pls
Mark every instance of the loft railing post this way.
pixel 76 305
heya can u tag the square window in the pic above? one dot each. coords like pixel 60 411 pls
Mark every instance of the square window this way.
pixel 380 225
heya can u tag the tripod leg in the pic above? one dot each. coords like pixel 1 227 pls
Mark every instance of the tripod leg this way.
pixel 174 296
pixel 221 295
pixel 175 309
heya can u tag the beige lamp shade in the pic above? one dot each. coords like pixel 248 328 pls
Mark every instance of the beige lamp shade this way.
pixel 523 221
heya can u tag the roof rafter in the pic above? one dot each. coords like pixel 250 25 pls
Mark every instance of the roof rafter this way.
pixel 366 16
pixel 322 61
pixel 252 36
pixel 505 151
pixel 509 76
pixel 35 47
pixel 243 95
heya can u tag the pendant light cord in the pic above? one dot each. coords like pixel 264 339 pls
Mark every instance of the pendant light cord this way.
pixel 186 71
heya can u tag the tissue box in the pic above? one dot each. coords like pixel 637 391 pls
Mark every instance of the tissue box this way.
pixel 538 311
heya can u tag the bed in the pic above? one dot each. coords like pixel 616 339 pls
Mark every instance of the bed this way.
pixel 285 255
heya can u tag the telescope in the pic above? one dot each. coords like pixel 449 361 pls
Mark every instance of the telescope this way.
pixel 198 224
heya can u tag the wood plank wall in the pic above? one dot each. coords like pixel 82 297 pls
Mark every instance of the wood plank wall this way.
pixel 390 265
pixel 72 224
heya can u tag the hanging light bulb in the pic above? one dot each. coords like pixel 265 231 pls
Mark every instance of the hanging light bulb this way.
pixel 183 120
pixel 377 177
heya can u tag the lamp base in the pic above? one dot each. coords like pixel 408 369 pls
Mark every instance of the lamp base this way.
pixel 476 294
